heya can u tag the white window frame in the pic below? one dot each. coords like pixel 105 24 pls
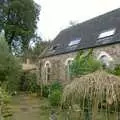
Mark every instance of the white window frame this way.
pixel 108 58
pixel 47 66
pixel 67 60
pixel 67 66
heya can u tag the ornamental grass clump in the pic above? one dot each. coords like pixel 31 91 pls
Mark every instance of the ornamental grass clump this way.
pixel 95 92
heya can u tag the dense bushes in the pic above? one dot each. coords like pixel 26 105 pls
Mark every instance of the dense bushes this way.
pixel 116 70
pixel 45 90
pixel 56 85
pixel 53 92
pixel 29 82
pixel 55 97
pixel 4 97
pixel 10 69
pixel 4 101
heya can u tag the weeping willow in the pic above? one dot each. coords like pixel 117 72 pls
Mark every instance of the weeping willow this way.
pixel 94 93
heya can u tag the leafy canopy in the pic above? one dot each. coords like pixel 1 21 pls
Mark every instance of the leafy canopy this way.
pixel 18 18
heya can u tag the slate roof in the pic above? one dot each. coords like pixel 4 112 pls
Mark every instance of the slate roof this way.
pixel 88 32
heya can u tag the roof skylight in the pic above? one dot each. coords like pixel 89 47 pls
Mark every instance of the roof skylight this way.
pixel 107 33
pixel 74 42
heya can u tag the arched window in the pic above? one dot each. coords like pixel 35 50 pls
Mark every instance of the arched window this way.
pixel 68 62
pixel 47 71
pixel 105 58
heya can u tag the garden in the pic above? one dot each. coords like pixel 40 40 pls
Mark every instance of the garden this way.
pixel 92 94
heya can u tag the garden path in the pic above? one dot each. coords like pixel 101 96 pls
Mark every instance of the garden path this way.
pixel 27 107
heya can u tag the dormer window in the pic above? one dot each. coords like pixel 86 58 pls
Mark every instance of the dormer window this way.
pixel 74 42
pixel 107 33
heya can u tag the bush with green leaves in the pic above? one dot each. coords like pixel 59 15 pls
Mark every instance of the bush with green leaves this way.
pixel 56 85
pixel 84 63
pixel 29 82
pixel 55 97
pixel 55 92
pixel 45 90
pixel 116 70
pixel 10 69
pixel 49 88
pixel 4 101
pixel 4 97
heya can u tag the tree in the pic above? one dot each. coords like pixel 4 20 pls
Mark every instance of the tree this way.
pixel 84 63
pixel 18 18
pixel 10 69
pixel 37 50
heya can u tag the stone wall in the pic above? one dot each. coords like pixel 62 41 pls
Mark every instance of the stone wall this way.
pixel 112 50
pixel 58 68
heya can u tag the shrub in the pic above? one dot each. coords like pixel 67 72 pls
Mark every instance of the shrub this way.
pixel 45 90
pixel 84 63
pixel 4 97
pixel 49 88
pixel 56 85
pixel 29 82
pixel 55 93
pixel 4 101
pixel 116 70
pixel 10 69
pixel 98 90
pixel 55 97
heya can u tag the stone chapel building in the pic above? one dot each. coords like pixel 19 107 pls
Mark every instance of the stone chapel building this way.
pixel 101 33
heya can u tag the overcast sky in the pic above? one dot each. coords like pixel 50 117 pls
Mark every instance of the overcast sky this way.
pixel 56 14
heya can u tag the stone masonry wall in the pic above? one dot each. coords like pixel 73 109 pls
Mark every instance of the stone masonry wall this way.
pixel 58 69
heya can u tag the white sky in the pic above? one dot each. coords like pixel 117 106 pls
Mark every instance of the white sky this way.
pixel 56 14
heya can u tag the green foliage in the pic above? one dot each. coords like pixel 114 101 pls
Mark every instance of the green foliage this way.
pixel 29 82
pixel 55 97
pixel 56 85
pixel 49 88
pixel 55 93
pixel 4 97
pixel 36 51
pixel 116 70
pixel 45 90
pixel 10 69
pixel 4 101
pixel 84 63
pixel 19 21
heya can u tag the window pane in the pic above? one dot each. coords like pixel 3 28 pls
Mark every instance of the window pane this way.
pixel 107 33
pixel 74 42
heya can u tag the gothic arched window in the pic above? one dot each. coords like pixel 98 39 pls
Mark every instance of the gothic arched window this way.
pixel 105 58
pixel 68 62
pixel 47 71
